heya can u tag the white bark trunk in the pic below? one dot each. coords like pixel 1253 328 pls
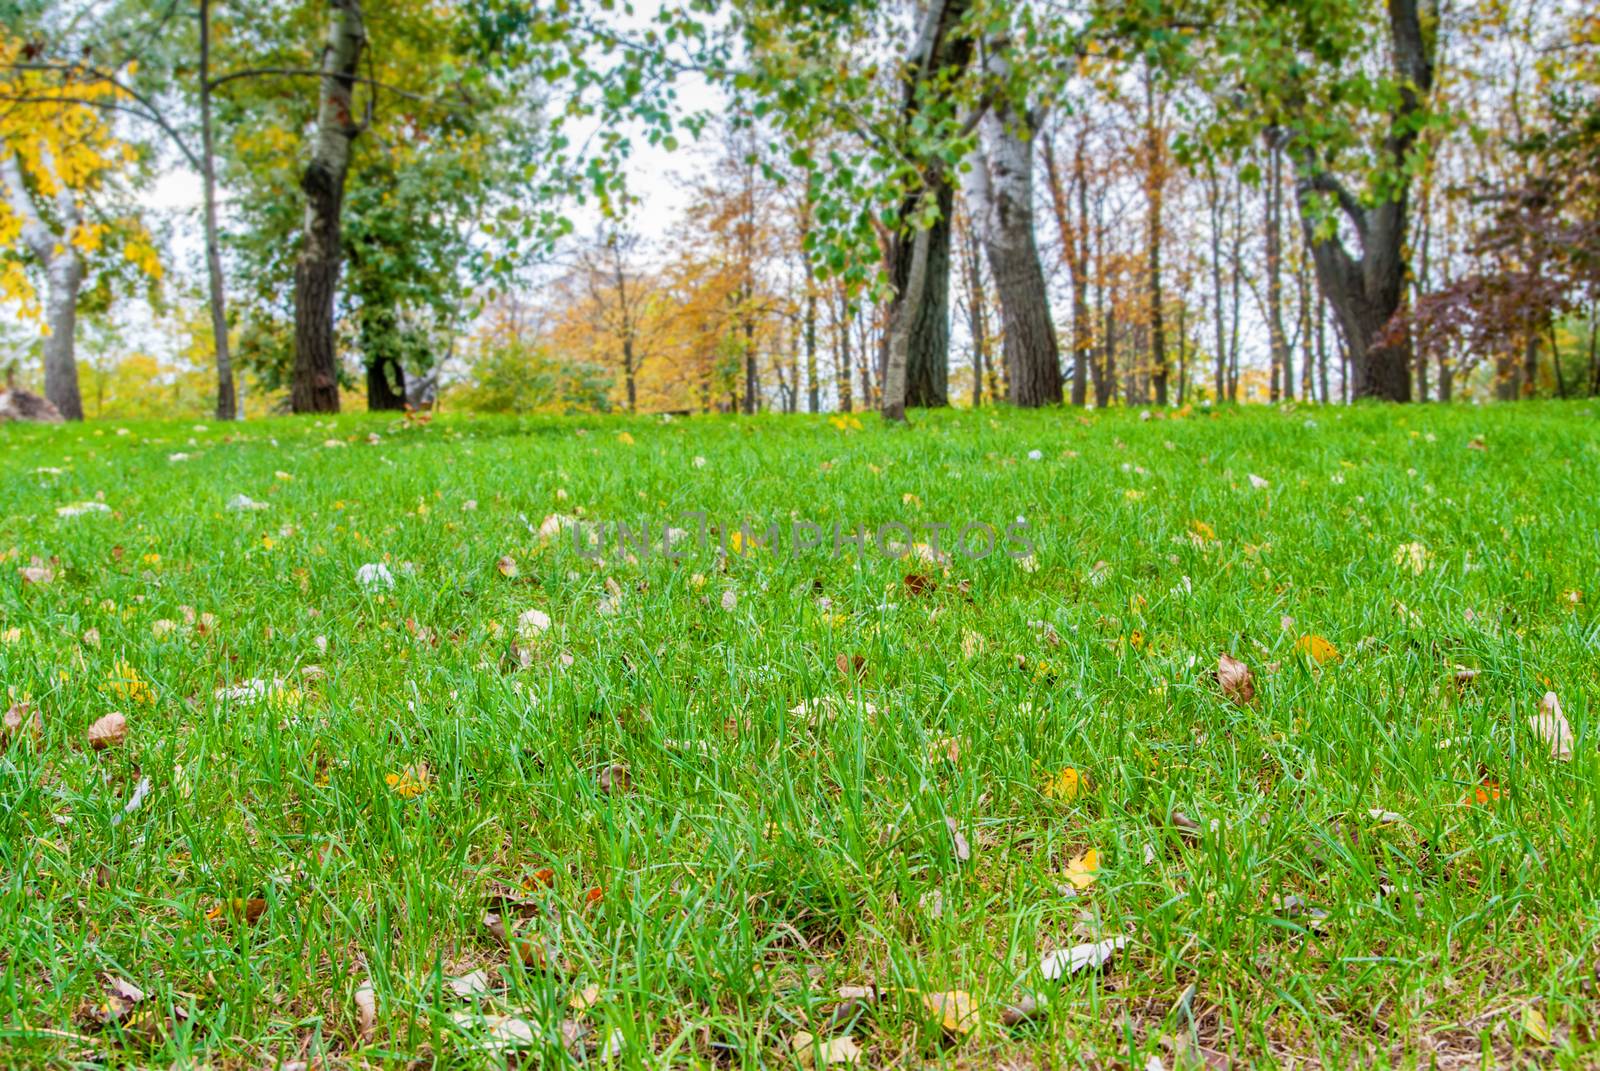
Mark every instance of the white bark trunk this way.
pixel 64 271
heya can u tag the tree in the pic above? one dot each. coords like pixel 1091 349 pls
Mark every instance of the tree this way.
pixel 62 170
pixel 1366 288
pixel 315 385
pixel 1000 196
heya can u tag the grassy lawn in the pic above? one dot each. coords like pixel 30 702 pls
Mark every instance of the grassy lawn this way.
pixel 716 791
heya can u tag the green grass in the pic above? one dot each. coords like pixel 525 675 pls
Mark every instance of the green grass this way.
pixel 757 859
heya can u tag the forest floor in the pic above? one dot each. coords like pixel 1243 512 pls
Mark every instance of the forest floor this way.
pixel 402 778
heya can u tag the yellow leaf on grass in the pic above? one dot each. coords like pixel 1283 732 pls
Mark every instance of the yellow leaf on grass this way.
pixel 409 782
pixel 1083 871
pixel 1064 785
pixel 956 1011
pixel 1317 649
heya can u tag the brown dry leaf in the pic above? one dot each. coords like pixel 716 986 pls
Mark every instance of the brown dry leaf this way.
pixel 584 999
pixel 614 779
pixel 1235 679
pixel 37 571
pixel 958 841
pixel 851 667
pixel 531 952
pixel 119 999
pixel 1551 726
pixel 946 747
pixel 918 584
pixel 956 1011
pixel 109 731
pixel 507 566
pixel 22 720
pixel 366 1009
pixel 841 1051
pixel 1464 676
pixel 1025 1010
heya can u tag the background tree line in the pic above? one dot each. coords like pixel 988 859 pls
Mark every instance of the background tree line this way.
pixel 890 206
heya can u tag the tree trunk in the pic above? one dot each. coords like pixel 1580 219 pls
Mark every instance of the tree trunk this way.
pixel 1367 290
pixel 1214 213
pixel 227 405
pixel 65 275
pixel 64 271
pixel 977 307
pixel 382 396
pixel 1282 380
pixel 752 386
pixel 938 53
pixel 315 386
pixel 1155 182
pixel 813 388
pixel 842 338
pixel 894 374
pixel 1000 199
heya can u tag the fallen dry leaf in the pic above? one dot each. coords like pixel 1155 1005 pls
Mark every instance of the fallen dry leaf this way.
pixel 366 1009
pixel 21 720
pixel 37 571
pixel 1082 871
pixel 1064 785
pixel 945 747
pixel 1084 957
pixel 585 998
pixel 501 1032
pixel 956 1011
pixel 507 565
pixel 918 584
pixel 957 841
pixel 1235 679
pixel 473 984
pixel 1551 726
pixel 851 667
pixel 1317 649
pixel 109 731
pixel 834 1052
pixel 614 779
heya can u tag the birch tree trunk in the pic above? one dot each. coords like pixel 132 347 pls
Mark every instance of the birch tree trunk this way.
pixel 227 404
pixel 938 52
pixel 1282 383
pixel 1000 201
pixel 63 271
pixel 894 372
pixel 315 385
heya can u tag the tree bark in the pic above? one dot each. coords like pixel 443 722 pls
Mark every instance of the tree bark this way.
pixel 895 368
pixel 381 395
pixel 1367 290
pixel 1215 214
pixel 1281 381
pixel 1155 184
pixel 315 385
pixel 1000 201
pixel 939 51
pixel 227 404
pixel 63 272
pixel 841 328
